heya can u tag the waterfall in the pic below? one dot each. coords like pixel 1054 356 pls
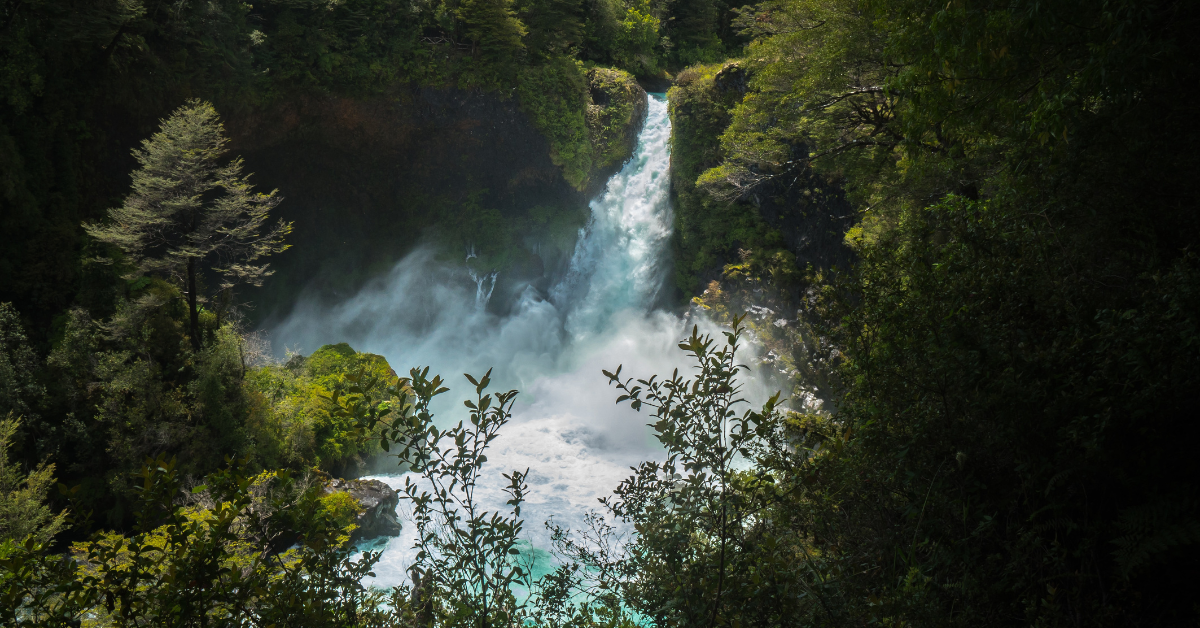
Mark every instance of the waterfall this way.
pixel 566 429
pixel 482 294
pixel 618 261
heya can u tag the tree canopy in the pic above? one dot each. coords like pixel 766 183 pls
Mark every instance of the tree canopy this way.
pixel 186 209
pixel 965 232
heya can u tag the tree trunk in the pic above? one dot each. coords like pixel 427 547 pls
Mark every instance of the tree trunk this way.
pixel 191 297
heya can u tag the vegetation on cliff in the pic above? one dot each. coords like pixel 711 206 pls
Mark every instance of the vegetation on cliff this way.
pixel 591 116
pixel 995 409
pixel 84 81
pixel 1010 362
pixel 710 232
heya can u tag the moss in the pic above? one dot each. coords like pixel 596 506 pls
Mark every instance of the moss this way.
pixel 342 509
pixel 329 363
pixel 613 115
pixel 555 97
pixel 589 115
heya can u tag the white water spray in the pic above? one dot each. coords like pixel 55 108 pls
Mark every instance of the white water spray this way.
pixel 566 429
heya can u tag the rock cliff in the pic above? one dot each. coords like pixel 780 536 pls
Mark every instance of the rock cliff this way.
pixel 366 179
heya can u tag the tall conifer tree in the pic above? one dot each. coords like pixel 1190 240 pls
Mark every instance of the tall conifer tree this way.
pixel 186 210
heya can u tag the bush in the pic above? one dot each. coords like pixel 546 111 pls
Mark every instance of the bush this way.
pixel 293 415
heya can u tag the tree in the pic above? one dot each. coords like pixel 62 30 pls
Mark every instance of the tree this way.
pixel 208 561
pixel 186 209
pixel 817 72
pixel 699 558
pixel 18 386
pixel 494 28
pixel 23 509
pixel 467 558
pixel 555 26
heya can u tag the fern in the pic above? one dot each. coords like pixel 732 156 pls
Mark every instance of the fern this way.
pixel 1153 528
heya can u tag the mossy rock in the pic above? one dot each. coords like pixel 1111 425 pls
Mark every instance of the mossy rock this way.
pixel 332 361
pixel 614 117
pixel 591 117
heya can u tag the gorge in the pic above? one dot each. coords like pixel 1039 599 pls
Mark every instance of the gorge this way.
pixel 550 345
pixel 959 237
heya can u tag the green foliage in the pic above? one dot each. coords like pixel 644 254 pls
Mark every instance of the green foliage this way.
pixel 616 100
pixel 84 80
pixel 175 220
pixel 636 38
pixel 555 97
pixel 795 348
pixel 352 46
pixel 555 27
pixel 818 96
pixel 467 558
pixel 342 509
pixel 23 509
pixel 588 115
pixel 710 232
pixel 293 419
pixel 692 32
pixel 949 296
pixel 585 590
pixel 1014 351
pixel 18 364
pixel 493 28
pixel 1009 369
pixel 131 387
pixel 701 555
pixel 199 565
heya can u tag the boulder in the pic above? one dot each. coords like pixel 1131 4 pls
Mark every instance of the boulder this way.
pixel 378 502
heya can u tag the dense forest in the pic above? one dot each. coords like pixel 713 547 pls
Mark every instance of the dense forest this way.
pixel 961 228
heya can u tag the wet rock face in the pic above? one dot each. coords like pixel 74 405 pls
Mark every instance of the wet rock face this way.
pixel 378 502
pixel 364 180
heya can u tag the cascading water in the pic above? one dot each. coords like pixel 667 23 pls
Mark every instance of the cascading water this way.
pixel 484 285
pixel 566 429
pixel 482 294
pixel 617 264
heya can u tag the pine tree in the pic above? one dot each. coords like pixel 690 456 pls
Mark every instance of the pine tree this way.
pixel 23 509
pixel 186 209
